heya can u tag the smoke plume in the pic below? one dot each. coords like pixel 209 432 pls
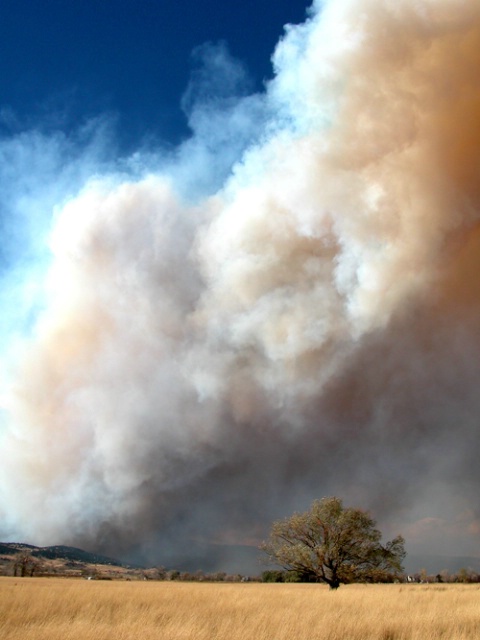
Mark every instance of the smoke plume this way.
pixel 300 319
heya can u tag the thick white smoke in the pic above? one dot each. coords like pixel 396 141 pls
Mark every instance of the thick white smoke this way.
pixel 204 364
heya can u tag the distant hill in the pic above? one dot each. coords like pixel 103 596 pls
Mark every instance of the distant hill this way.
pixel 59 552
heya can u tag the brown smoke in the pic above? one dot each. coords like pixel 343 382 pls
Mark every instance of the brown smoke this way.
pixel 310 329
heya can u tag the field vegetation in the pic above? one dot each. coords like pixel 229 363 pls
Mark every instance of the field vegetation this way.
pixel 71 609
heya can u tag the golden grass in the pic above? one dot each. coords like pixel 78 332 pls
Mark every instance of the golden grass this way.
pixel 68 609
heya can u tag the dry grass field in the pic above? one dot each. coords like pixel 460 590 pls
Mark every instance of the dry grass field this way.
pixel 69 609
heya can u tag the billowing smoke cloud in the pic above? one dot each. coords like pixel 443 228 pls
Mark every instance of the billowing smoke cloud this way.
pixel 209 356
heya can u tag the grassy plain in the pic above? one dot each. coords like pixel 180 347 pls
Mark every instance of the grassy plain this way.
pixel 73 609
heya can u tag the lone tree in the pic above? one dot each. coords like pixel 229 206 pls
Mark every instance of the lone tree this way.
pixel 333 544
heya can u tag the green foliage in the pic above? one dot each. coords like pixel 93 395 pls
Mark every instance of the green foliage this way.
pixel 333 544
pixel 273 576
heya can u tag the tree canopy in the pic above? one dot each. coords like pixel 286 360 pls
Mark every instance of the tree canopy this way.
pixel 335 545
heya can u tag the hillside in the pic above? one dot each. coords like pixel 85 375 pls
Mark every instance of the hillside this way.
pixel 61 560
pixel 58 551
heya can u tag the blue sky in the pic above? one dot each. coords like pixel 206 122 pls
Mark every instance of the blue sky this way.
pixel 85 84
pixel 64 61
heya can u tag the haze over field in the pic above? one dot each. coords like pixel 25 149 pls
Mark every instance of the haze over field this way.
pixel 283 307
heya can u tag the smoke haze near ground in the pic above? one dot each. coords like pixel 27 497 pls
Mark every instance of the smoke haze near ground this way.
pixel 286 307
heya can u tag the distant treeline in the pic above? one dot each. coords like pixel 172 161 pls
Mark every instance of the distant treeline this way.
pixel 463 576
